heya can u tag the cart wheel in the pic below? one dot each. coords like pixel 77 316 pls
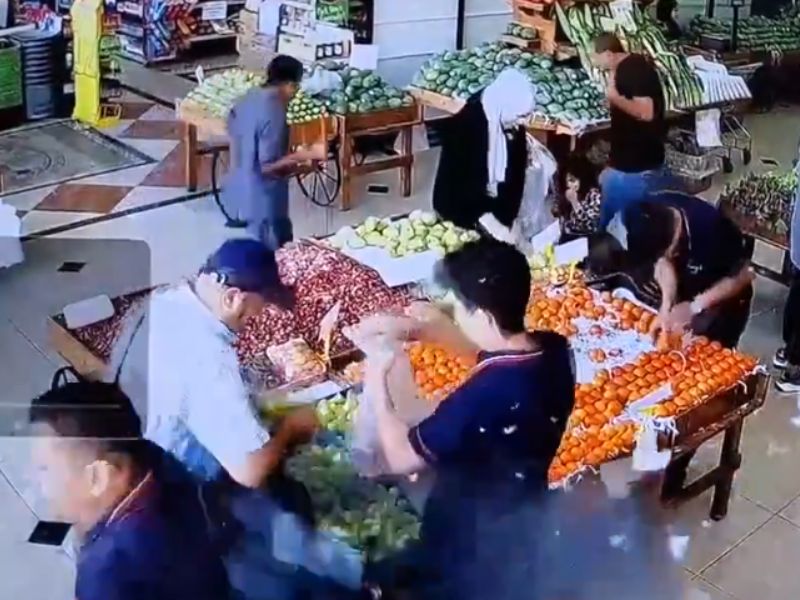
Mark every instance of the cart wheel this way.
pixel 727 165
pixel 219 165
pixel 322 184
pixel 747 156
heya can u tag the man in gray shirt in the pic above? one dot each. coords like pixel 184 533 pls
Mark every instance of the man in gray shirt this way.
pixel 260 162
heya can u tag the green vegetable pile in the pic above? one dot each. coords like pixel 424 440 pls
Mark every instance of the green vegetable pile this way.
pixel 563 94
pixel 337 413
pixel 366 515
pixel 768 197
pixel 217 93
pixel 304 108
pixel 362 92
pixel 754 33
pixel 521 31
pixel 584 21
pixel 418 232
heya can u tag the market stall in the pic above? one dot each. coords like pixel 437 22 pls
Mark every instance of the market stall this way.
pixel 689 390
pixel 364 105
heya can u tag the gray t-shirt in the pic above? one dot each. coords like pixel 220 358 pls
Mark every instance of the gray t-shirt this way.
pixel 259 135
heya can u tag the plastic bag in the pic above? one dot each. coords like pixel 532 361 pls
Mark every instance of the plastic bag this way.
pixel 535 212
pixel 321 81
pixel 297 362
pixel 365 446
pixel 10 233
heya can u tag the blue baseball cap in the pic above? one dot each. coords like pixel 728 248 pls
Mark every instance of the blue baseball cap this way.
pixel 250 266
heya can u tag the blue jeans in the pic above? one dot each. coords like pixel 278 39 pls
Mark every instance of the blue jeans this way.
pixel 621 190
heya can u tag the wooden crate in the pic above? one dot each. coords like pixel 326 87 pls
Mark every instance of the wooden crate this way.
pixel 312 132
pixel 437 101
pixel 380 120
pixel 193 114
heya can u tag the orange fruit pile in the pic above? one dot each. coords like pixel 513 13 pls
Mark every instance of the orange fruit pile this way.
pixel 437 372
pixel 590 448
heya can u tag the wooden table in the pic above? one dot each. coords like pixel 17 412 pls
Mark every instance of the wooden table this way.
pixel 723 414
pixel 345 129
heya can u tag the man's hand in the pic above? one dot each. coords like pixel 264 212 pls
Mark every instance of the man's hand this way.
pixel 680 317
pixel 300 425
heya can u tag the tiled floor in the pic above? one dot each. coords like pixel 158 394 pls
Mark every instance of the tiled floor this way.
pixel 751 555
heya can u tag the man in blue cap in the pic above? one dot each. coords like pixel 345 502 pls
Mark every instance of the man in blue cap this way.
pixel 177 363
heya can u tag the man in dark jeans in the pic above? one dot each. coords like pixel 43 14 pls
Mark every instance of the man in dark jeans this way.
pixel 638 132
pixel 788 357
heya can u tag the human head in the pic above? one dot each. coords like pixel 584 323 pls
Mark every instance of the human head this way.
pixel 511 98
pixel 579 177
pixel 88 449
pixel 285 74
pixel 491 282
pixel 651 230
pixel 608 51
pixel 238 280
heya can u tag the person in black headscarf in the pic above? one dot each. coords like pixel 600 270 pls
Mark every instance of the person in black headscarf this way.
pixel 481 174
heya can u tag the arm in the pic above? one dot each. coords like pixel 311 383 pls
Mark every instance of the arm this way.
pixel 667 280
pixel 401 458
pixel 725 288
pixel 283 166
pixel 640 108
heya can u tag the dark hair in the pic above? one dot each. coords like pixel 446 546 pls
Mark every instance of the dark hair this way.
pixel 284 69
pixel 94 413
pixel 607 42
pixel 650 231
pixel 492 276
pixel 582 169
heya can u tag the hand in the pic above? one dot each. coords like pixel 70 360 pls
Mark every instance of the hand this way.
pixel 680 317
pixel 318 151
pixel 611 85
pixel 390 326
pixel 301 424
pixel 426 312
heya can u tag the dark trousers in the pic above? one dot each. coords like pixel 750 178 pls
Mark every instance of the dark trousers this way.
pixel 791 321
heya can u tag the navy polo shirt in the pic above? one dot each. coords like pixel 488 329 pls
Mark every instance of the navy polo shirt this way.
pixel 506 421
pixel 153 546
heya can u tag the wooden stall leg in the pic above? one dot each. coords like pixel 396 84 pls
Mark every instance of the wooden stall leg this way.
pixel 729 463
pixel 191 156
pixel 346 161
pixel 407 170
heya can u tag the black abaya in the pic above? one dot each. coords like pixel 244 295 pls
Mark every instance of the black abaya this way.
pixel 459 193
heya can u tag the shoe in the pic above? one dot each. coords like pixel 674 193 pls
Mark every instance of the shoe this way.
pixel 779 360
pixel 789 381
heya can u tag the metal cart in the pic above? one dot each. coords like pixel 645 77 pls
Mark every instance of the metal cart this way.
pixel 735 136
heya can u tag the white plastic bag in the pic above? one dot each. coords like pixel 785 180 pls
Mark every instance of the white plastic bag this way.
pixel 321 80
pixel 535 212
pixel 10 233
pixel 365 446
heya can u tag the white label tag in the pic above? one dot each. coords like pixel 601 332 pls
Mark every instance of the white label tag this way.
pixel 215 11
pixel 548 236
pixel 651 399
pixel 622 11
pixel 571 252
pixel 707 128
pixel 646 456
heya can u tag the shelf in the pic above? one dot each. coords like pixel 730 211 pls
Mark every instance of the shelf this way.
pixel 212 36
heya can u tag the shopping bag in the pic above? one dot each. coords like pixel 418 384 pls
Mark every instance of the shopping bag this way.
pixel 399 381
pixel 10 233
pixel 535 212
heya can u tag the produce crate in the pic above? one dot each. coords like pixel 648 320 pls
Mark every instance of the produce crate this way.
pixel 312 132
pixel 689 163
pixel 755 228
pixel 437 101
pixel 194 114
pixel 376 121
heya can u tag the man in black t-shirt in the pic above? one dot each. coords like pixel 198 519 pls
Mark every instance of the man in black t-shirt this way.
pixel 638 132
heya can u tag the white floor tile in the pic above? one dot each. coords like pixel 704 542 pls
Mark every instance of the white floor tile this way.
pixel 159 113
pixel 124 177
pixel 35 572
pixel 156 149
pixel 41 220
pixel 761 567
pixel 146 195
pixel 17 520
pixel 27 200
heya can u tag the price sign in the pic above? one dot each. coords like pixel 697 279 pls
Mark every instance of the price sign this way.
pixel 215 11
pixel 622 12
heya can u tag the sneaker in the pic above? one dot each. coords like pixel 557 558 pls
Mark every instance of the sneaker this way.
pixel 789 381
pixel 779 360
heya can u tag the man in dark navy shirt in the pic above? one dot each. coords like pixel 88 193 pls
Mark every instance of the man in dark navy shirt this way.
pixel 143 530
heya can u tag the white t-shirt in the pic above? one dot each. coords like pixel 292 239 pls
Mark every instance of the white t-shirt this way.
pixel 176 362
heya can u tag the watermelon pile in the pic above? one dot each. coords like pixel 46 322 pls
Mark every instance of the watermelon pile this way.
pixel 563 94
pixel 362 92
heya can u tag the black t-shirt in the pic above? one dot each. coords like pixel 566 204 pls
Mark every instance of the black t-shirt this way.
pixel 636 145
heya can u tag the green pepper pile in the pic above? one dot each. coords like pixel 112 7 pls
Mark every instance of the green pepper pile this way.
pixel 768 197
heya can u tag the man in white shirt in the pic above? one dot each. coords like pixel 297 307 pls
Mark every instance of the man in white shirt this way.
pixel 177 363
